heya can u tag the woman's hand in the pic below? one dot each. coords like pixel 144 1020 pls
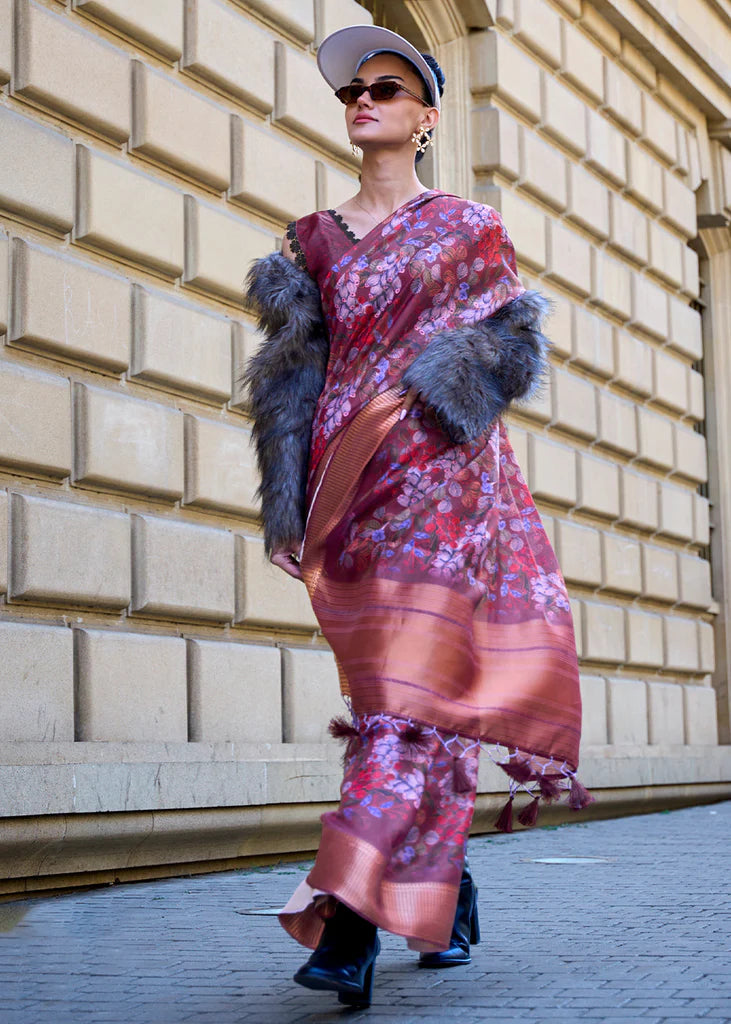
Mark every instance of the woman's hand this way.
pixel 410 397
pixel 284 558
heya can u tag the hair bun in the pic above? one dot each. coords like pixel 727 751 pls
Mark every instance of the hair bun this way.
pixel 438 73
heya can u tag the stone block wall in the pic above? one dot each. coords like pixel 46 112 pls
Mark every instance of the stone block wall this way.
pixel 153 665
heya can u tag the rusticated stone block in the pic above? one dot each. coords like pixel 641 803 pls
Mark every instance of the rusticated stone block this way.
pixel 562 114
pixel 499 66
pixel 659 129
pixel 666 255
pixel 669 381
pixel 180 346
pixel 36 171
pixel 588 200
pixel 219 466
pixel 294 16
pixel 61 66
pixel 234 693
pixel 330 15
pixel 593 711
pixel 633 361
pixel 681 644
pixel 617 428
pixel 157 25
pixel 35 443
pixel 568 258
pixel 538 27
pixel 649 307
pixel 6 38
pixel 579 553
pixel 628 229
pixel 691 456
pixel 219 249
pixel 333 187
pixel 305 103
pixel 4 281
pixel 576 605
pixel 659 574
pixel 69 308
pixel 181 569
pixel 603 628
pixel 542 170
pixel 706 647
pixel 125 443
pixel 694 575
pixel 701 716
pixel 665 713
pixel 125 212
pixel 679 208
pixel 581 62
pixel 527 224
pixel 179 128
pixel 621 564
pixel 551 470
pixel 627 711
pixel 611 284
pixel 519 443
pixel 311 693
pixel 598 486
pixel 68 553
pixel 655 437
pixel 644 177
pixel 684 329
pixel 131 687
pixel 701 520
pixel 266 595
pixel 269 172
pixel 216 36
pixel 639 500
pixel 574 403
pixel 622 97
pixel 644 638
pixel 37 687
pixel 676 511
pixel 559 328
pixel 4 534
pixel 641 65
pixel 495 142
pixel 696 395
pixel 605 148
pixel 245 343
pixel 601 29
pixel 691 276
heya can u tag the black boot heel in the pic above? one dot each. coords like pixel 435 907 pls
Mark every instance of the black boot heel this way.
pixel 362 1000
pixel 474 924
pixel 465 930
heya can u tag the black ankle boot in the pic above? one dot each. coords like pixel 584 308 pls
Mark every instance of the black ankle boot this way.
pixel 344 959
pixel 466 928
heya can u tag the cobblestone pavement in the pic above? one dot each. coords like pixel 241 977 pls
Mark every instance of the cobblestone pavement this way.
pixel 639 933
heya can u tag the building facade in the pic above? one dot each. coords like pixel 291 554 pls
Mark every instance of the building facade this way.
pixel 165 693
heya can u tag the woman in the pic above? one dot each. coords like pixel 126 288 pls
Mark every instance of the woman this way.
pixel 397 334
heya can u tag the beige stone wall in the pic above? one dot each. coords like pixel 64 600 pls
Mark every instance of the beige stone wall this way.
pixel 154 667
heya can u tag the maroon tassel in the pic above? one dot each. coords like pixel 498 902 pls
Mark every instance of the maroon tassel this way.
pixel 529 815
pixel 340 729
pixel 461 781
pixel 520 771
pixel 549 787
pixel 579 796
pixel 416 738
pixel 504 822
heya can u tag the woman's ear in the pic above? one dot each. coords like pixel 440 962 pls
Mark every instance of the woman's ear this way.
pixel 430 119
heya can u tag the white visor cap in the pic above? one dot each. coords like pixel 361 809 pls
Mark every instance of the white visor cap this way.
pixel 341 53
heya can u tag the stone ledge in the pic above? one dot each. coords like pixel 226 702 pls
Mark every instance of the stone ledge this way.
pixel 91 778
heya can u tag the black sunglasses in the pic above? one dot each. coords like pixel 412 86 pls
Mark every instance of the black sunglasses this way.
pixel 379 91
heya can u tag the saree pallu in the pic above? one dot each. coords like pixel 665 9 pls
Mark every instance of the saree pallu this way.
pixel 427 564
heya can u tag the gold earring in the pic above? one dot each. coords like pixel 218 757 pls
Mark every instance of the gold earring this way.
pixel 355 149
pixel 422 139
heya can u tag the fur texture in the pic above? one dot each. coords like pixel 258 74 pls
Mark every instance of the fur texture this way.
pixel 284 379
pixel 469 375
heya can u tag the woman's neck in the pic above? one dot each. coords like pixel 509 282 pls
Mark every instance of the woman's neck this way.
pixel 387 181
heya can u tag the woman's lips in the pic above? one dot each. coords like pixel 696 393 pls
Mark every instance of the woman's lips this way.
pixel 362 117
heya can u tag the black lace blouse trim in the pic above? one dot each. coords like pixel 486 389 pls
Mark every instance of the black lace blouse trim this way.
pixel 344 227
pixel 294 243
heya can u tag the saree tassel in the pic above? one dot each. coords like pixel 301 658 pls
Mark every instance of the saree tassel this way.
pixel 521 771
pixel 549 787
pixel 579 796
pixel 340 729
pixel 504 821
pixel 529 815
pixel 461 780
pixel 416 738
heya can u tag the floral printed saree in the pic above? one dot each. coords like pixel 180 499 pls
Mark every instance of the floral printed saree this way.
pixel 430 573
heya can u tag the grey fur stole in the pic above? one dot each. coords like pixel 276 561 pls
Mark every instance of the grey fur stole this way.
pixel 469 375
pixel 284 379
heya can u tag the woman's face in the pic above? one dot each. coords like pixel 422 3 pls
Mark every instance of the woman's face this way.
pixel 389 122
